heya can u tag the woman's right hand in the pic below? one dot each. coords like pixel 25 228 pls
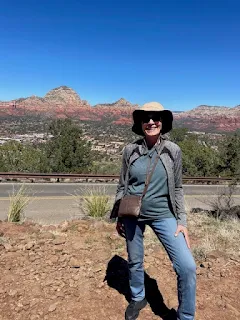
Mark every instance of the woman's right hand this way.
pixel 120 228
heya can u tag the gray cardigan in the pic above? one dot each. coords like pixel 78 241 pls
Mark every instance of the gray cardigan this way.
pixel 172 160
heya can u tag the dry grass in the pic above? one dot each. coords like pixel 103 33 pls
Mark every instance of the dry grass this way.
pixel 214 234
pixel 18 202
pixel 95 202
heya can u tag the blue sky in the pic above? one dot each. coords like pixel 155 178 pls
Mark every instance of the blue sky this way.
pixel 182 53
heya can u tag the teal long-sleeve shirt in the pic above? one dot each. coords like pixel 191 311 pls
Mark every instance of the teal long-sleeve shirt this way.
pixel 155 203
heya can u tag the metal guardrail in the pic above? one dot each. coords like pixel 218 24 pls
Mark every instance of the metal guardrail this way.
pixel 57 175
pixel 87 177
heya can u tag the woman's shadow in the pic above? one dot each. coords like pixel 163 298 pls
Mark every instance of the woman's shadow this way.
pixel 117 277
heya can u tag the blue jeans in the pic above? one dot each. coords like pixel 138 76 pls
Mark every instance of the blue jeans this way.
pixel 178 253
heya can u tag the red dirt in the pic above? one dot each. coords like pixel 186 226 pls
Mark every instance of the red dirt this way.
pixel 58 273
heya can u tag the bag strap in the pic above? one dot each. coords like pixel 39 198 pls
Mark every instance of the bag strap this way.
pixel 149 176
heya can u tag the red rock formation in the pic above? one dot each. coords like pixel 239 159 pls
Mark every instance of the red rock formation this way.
pixel 64 102
pixel 205 118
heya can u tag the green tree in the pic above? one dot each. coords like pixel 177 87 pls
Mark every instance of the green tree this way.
pixel 67 150
pixel 106 167
pixel 199 159
pixel 18 157
pixel 178 134
pixel 229 150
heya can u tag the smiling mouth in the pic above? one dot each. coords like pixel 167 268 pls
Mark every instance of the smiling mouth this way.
pixel 151 128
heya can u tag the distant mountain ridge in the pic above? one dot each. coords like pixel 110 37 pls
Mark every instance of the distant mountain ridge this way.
pixel 121 103
pixel 63 102
pixel 211 118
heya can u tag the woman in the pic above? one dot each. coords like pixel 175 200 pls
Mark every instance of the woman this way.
pixel 162 207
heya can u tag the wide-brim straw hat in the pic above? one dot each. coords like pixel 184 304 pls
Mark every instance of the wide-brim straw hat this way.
pixel 166 117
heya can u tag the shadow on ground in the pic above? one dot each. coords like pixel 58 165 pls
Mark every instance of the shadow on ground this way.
pixel 117 277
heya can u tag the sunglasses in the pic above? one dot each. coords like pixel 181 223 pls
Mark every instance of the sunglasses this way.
pixel 151 116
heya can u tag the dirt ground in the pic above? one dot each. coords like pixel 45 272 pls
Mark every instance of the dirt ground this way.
pixel 78 271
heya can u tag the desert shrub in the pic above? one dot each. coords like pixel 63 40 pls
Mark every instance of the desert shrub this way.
pixel 223 206
pixel 18 202
pixel 96 203
pixel 199 253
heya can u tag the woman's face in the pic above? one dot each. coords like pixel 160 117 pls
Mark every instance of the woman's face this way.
pixel 151 124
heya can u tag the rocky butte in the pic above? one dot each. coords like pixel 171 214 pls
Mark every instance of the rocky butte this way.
pixel 211 118
pixel 59 102
pixel 64 102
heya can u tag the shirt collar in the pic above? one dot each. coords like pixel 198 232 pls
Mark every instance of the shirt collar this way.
pixel 144 150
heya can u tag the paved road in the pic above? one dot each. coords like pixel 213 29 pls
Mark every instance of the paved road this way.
pixel 52 203
pixel 68 189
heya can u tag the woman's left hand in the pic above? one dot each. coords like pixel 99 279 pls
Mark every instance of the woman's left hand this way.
pixel 184 231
